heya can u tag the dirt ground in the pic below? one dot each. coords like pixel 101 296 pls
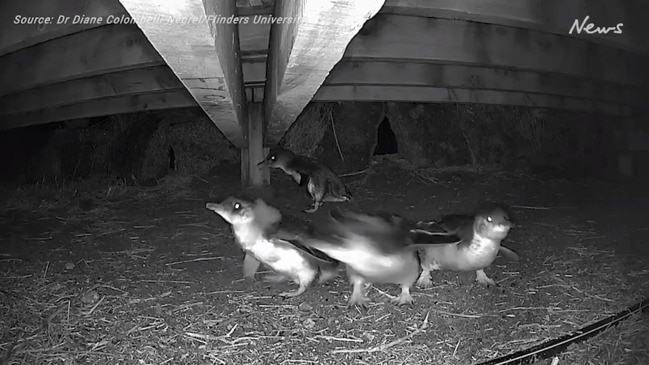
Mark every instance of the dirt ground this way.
pixel 105 273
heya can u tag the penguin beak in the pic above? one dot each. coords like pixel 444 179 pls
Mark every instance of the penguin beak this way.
pixel 215 207
pixel 263 163
pixel 220 210
pixel 501 230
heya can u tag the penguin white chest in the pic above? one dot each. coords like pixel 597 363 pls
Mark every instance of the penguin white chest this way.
pixel 311 188
pixel 285 260
pixel 482 252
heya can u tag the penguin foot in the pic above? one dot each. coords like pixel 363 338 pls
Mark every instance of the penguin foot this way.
pixel 275 278
pixel 250 266
pixel 292 294
pixel 326 275
pixel 404 297
pixel 424 280
pixel 313 208
pixel 359 300
pixel 249 278
pixel 482 278
pixel 357 297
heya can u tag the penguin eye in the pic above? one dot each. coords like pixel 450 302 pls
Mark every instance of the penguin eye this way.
pixel 236 206
pixel 489 219
pixel 272 158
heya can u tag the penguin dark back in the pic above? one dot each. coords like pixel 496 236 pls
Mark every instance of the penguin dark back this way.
pixel 464 225
pixel 290 163
pixel 387 231
pixel 322 184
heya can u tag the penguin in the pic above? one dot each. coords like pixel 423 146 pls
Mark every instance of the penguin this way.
pixel 258 231
pixel 322 184
pixel 481 235
pixel 374 248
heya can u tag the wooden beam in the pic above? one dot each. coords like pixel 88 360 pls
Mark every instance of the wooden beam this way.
pixel 65 16
pixel 266 9
pixel 303 51
pixel 542 16
pixel 93 52
pixel 251 175
pixel 550 16
pixel 475 77
pixel 443 95
pixel 254 73
pixel 129 82
pixel 406 74
pixel 168 99
pixel 202 52
pixel 255 94
pixel 254 33
pixel 410 38
pixel 225 36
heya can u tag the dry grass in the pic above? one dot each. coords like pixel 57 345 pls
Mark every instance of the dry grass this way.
pixel 303 137
pixel 627 343
pixel 147 276
pixel 93 194
pixel 484 174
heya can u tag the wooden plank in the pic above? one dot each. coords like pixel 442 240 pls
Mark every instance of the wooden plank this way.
pixel 254 33
pixel 551 16
pixel 541 15
pixel 257 10
pixel 255 151
pixel 304 51
pixel 138 81
pixel 412 75
pixel 178 98
pixel 100 50
pixel 255 94
pixel 254 73
pixel 22 35
pixel 474 77
pixel 424 94
pixel 202 52
pixel 280 46
pixel 410 38
pixel 245 165
pixel 225 36
pixel 245 168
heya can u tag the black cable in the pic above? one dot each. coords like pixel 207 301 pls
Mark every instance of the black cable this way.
pixel 553 347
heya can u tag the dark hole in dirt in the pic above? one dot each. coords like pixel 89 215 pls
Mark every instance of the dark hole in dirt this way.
pixel 19 146
pixel 172 159
pixel 386 141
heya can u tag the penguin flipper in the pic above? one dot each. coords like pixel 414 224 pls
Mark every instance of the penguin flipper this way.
pixel 509 254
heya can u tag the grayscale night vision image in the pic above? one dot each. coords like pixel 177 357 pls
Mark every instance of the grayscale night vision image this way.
pixel 324 182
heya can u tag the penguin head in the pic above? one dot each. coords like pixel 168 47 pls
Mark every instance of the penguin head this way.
pixel 492 222
pixel 238 211
pixel 277 158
